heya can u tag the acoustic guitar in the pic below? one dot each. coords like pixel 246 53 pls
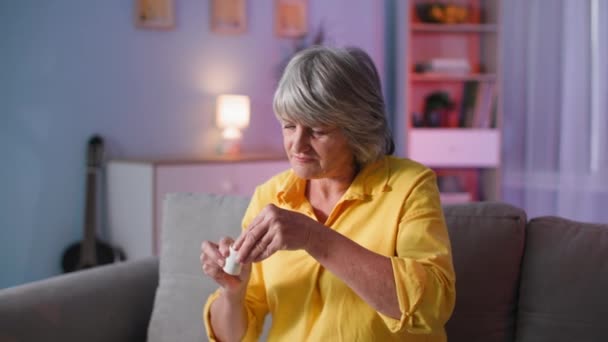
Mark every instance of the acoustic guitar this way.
pixel 91 251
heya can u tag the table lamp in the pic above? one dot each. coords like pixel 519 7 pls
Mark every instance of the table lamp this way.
pixel 231 115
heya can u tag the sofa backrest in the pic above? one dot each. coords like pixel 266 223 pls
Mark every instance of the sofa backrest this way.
pixel 188 219
pixel 487 243
pixel 487 247
pixel 564 282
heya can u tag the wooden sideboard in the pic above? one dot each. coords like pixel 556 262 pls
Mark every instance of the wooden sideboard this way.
pixel 136 189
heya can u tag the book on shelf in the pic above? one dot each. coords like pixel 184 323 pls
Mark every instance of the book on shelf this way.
pixel 469 97
pixel 494 110
pixel 483 105
pixel 448 66
pixel 478 108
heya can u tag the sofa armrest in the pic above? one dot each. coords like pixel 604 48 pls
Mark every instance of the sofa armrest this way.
pixel 107 303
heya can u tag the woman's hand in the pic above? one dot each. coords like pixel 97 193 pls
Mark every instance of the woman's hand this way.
pixel 213 258
pixel 272 230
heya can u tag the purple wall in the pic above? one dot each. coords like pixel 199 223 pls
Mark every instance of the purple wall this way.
pixel 72 68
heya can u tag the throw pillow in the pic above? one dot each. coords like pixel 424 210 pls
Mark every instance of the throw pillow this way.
pixel 188 219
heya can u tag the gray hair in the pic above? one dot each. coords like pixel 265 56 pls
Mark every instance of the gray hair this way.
pixel 324 86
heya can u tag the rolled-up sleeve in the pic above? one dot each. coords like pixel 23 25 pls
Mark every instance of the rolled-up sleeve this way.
pixel 256 303
pixel 423 270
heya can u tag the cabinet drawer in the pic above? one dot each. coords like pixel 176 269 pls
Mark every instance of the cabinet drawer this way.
pixel 216 178
pixel 220 178
pixel 455 147
pixel 136 190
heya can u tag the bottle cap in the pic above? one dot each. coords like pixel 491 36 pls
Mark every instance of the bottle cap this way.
pixel 231 266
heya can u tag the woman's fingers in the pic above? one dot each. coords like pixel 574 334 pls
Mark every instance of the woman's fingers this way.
pixel 272 230
pixel 255 233
pixel 213 260
pixel 210 253
pixel 256 220
pixel 272 247
pixel 259 248
pixel 224 246
pixel 211 270
pixel 250 238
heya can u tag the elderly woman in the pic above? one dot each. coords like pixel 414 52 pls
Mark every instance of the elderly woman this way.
pixel 351 243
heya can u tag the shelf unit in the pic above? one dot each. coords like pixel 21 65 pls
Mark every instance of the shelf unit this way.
pixel 461 143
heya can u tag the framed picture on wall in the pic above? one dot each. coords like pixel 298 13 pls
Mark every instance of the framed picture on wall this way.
pixel 228 16
pixel 291 18
pixel 154 14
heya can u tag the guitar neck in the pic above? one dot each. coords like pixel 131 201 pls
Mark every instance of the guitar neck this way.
pixel 88 255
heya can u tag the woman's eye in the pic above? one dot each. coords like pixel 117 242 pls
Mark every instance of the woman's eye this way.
pixel 320 131
pixel 289 126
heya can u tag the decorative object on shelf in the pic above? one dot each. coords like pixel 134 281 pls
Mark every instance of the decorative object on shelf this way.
pixel 228 16
pixel 459 181
pixel 439 110
pixel 450 183
pixel 154 14
pixel 457 186
pixel 417 119
pixel 291 18
pixel 443 13
pixel 232 115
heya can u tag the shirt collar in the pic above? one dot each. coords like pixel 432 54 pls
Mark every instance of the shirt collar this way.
pixel 292 190
pixel 371 180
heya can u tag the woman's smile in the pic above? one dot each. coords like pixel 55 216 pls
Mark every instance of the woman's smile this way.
pixel 302 159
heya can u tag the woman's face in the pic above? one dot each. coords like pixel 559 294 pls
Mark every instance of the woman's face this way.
pixel 317 152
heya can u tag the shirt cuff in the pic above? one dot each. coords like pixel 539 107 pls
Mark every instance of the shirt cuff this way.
pixel 251 334
pixel 410 278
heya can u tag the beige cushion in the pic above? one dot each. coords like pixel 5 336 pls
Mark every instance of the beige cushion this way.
pixel 183 289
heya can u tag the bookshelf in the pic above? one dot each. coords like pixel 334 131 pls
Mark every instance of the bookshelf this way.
pixel 454 114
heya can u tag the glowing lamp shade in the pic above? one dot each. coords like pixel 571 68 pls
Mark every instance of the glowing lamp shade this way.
pixel 232 115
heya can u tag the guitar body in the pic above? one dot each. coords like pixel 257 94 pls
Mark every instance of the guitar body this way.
pixel 91 251
pixel 106 254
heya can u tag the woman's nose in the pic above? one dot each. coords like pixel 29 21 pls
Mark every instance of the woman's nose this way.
pixel 300 140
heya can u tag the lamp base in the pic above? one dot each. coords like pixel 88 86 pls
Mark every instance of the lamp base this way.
pixel 229 147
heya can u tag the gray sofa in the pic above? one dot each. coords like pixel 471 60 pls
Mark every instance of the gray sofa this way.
pixel 517 280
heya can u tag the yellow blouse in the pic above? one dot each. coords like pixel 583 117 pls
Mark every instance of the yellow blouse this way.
pixel 392 207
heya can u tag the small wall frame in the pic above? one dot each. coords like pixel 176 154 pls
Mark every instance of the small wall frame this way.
pixel 228 16
pixel 154 14
pixel 291 18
